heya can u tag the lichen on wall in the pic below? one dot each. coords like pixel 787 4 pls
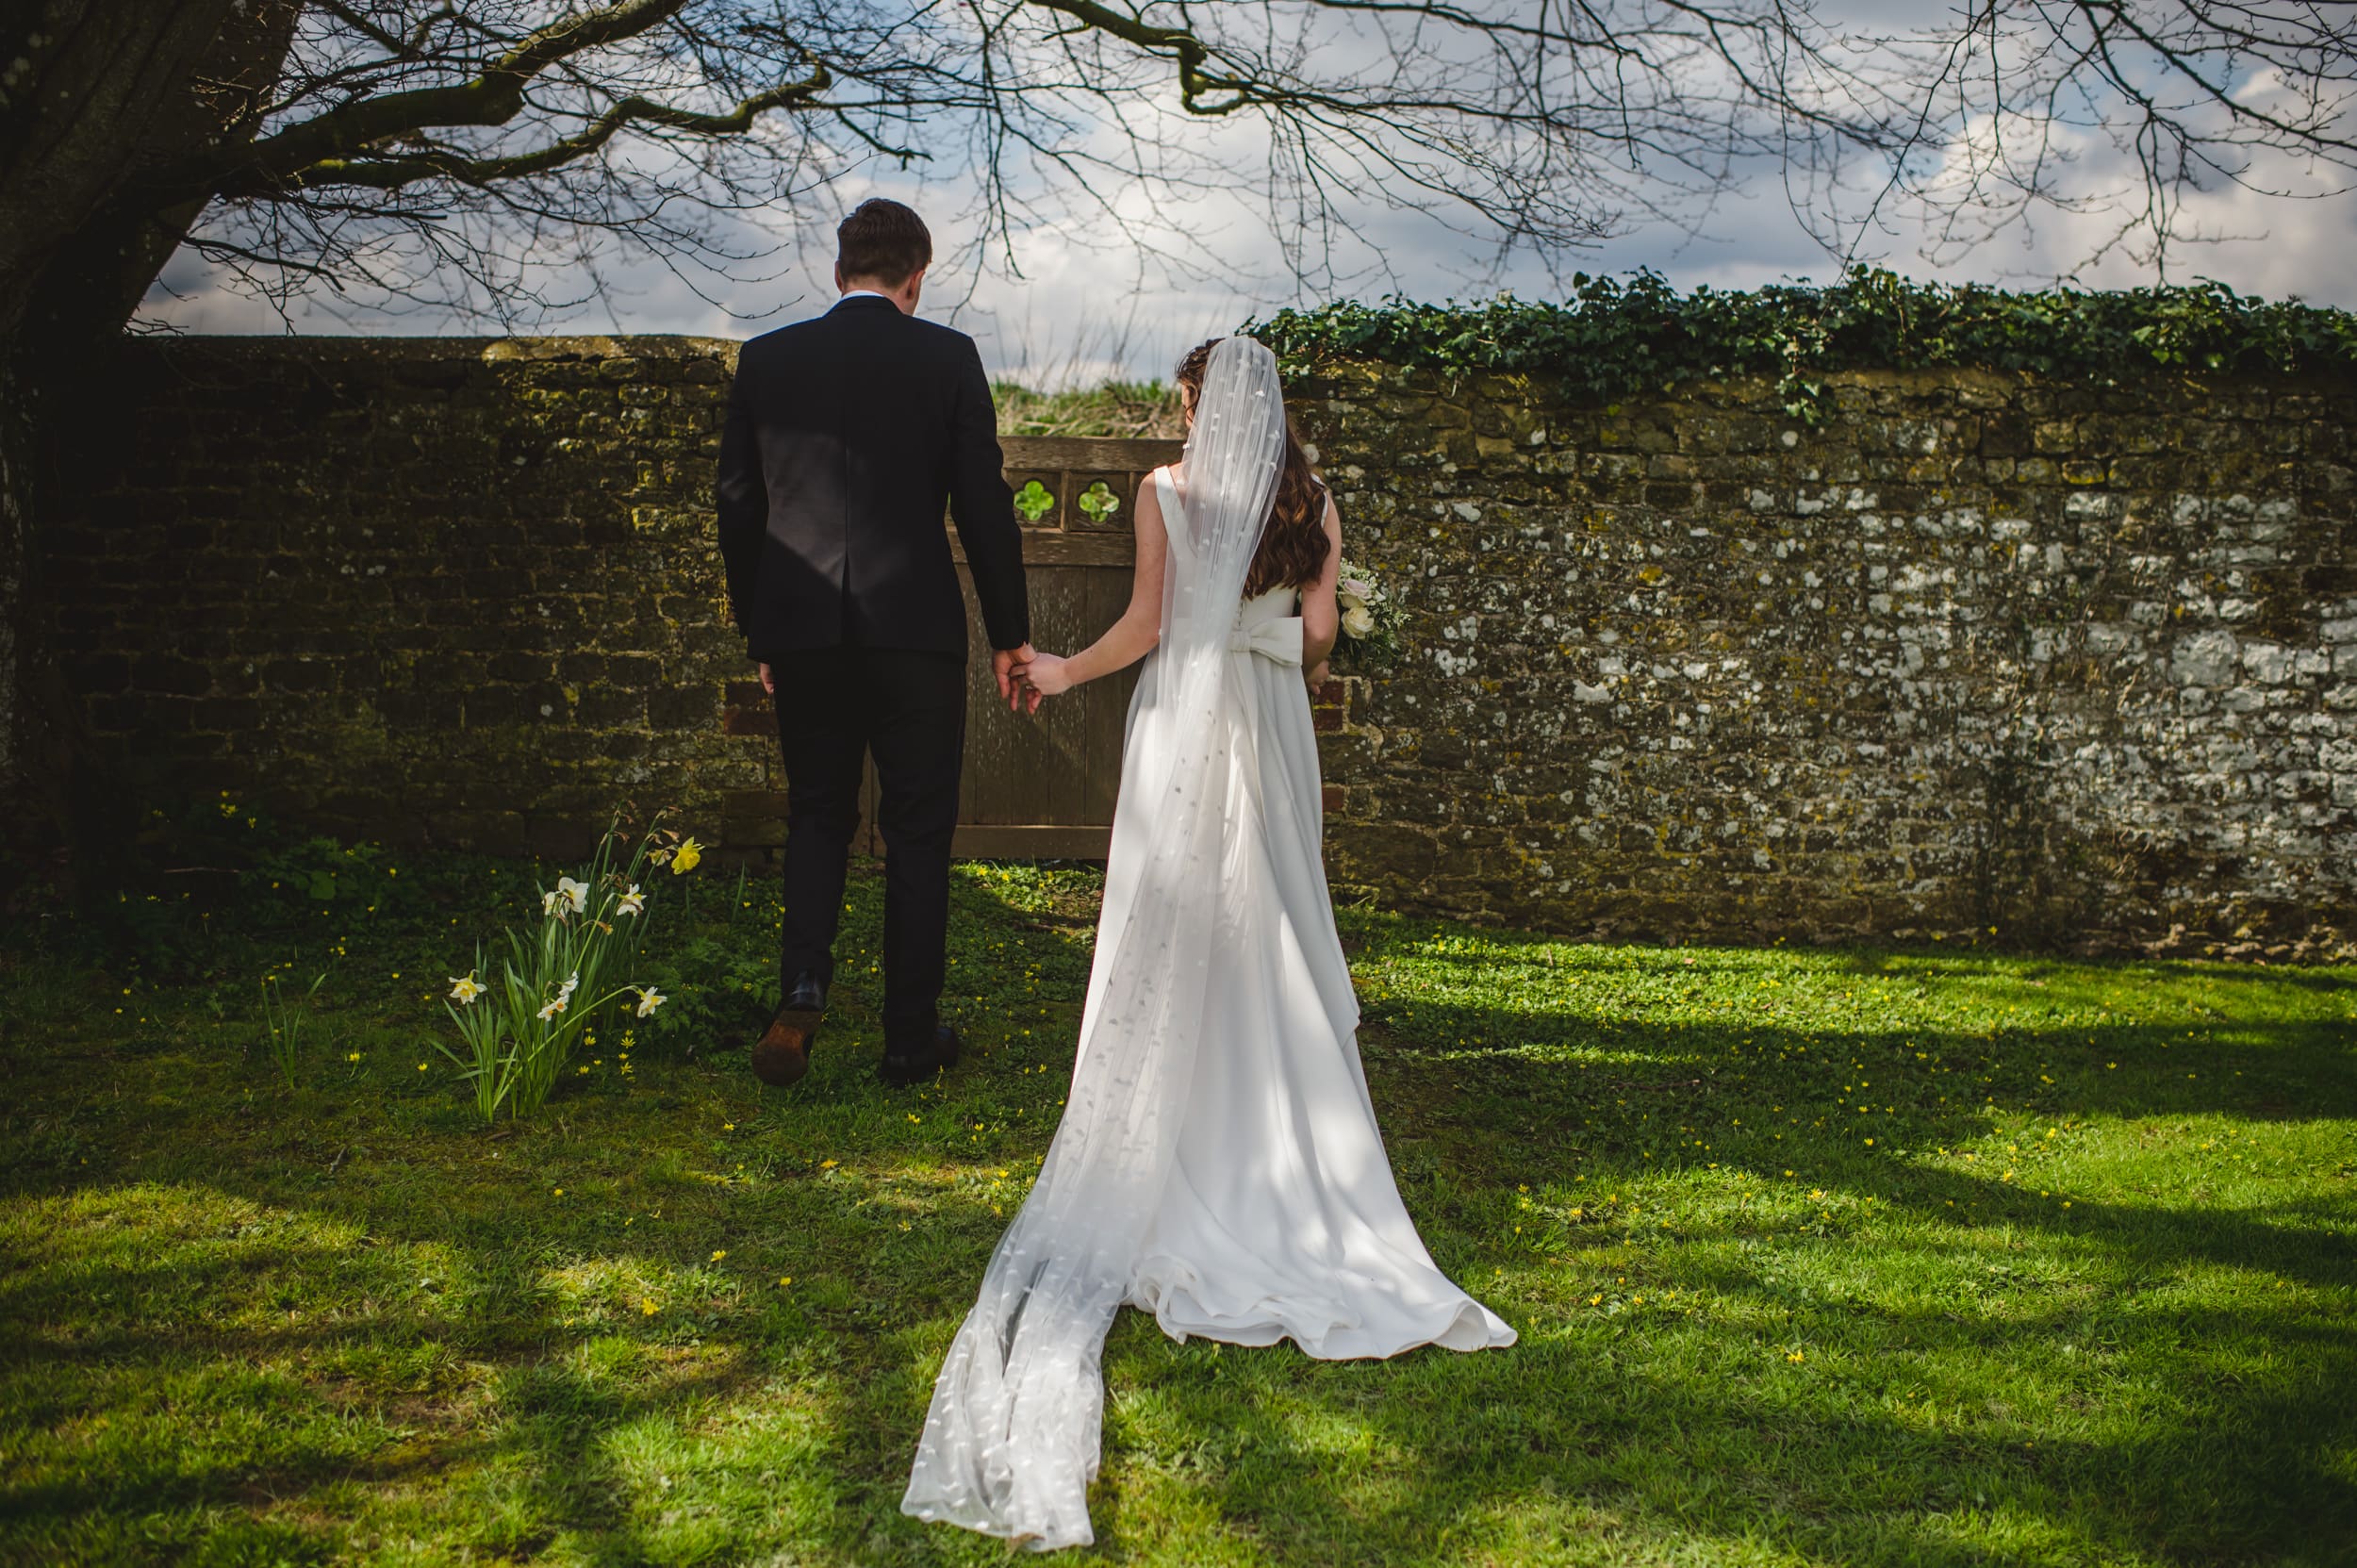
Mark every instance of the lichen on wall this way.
pixel 1977 657
pixel 447 590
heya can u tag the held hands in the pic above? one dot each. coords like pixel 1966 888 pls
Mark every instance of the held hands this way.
pixel 1047 675
pixel 1028 677
pixel 1004 663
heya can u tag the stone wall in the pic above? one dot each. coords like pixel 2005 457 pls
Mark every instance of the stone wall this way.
pixel 2076 663
pixel 1978 658
pixel 414 590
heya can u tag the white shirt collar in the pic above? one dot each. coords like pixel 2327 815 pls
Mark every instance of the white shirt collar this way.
pixel 866 293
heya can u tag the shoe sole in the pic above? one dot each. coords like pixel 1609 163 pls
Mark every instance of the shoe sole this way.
pixel 782 1055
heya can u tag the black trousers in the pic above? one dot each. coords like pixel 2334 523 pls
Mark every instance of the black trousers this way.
pixel 907 705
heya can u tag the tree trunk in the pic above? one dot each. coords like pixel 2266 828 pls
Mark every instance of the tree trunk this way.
pixel 103 92
pixel 33 717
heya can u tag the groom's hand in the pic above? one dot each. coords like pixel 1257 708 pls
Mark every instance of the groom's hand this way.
pixel 1003 664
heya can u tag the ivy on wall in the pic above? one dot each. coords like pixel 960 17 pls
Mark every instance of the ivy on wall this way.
pixel 1617 336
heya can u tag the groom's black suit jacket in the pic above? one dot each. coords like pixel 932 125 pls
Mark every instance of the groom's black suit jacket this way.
pixel 846 435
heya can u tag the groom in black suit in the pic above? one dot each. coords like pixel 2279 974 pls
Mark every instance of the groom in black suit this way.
pixel 846 434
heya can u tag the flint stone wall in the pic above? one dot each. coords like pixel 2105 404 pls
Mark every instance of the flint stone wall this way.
pixel 1977 658
pixel 2078 664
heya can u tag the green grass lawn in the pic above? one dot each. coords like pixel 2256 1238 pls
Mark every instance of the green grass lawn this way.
pixel 1824 1256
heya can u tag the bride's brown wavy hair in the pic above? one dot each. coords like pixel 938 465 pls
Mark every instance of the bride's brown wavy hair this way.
pixel 1293 546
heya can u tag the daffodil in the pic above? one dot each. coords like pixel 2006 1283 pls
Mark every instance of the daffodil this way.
pixel 686 856
pixel 630 902
pixel 552 1007
pixel 464 988
pixel 575 894
pixel 648 999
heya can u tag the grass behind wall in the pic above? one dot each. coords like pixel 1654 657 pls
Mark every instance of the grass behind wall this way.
pixel 1822 1257
pixel 1123 409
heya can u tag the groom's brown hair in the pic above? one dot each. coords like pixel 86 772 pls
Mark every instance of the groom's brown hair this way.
pixel 884 242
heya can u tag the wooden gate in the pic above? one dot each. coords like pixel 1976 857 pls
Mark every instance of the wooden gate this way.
pixel 1042 785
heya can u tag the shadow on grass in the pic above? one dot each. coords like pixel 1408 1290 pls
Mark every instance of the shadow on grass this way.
pixel 725 1428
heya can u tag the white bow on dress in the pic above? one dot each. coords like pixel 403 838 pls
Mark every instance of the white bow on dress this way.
pixel 1278 639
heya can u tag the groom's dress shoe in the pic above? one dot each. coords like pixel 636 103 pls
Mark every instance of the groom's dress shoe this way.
pixel 782 1055
pixel 902 1069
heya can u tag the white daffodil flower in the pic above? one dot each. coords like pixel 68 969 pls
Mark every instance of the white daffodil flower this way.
pixel 575 894
pixel 549 902
pixel 630 902
pixel 464 989
pixel 564 991
pixel 648 999
pixel 555 1006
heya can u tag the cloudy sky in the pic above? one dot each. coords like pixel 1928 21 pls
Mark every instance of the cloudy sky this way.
pixel 1076 303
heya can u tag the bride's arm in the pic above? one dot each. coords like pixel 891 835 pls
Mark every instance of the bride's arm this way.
pixel 1321 617
pixel 1129 638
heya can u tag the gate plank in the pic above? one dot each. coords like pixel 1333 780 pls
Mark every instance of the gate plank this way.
pixel 1045 786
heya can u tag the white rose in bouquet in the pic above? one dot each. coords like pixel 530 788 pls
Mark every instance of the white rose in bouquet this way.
pixel 1369 622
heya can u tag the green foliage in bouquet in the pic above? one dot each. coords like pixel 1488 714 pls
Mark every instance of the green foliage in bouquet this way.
pixel 1367 641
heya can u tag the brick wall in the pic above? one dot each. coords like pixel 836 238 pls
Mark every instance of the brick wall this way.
pixel 2077 663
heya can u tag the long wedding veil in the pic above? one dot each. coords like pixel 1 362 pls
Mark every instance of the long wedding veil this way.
pixel 1011 1441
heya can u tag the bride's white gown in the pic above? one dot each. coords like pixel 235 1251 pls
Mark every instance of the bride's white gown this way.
pixel 1280 1218
pixel 1218 1163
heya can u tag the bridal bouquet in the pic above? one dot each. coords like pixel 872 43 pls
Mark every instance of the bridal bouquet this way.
pixel 519 1027
pixel 1369 637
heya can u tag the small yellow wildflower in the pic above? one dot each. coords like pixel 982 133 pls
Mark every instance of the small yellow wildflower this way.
pixel 721 1254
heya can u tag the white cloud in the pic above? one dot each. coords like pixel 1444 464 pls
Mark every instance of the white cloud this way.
pixel 1079 302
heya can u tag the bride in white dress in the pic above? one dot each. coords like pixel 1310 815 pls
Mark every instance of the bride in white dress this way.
pixel 1218 1163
